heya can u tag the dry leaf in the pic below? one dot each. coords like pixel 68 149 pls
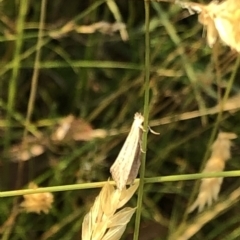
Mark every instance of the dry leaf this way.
pixel 220 19
pixel 26 150
pixel 71 128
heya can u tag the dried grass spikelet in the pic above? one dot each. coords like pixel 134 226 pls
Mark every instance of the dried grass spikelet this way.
pixel 220 19
pixel 31 147
pixel 103 27
pixel 77 129
pixel 210 187
pixel 103 222
pixel 37 202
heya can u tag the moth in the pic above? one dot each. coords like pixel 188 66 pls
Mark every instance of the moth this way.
pixel 125 168
pixel 221 19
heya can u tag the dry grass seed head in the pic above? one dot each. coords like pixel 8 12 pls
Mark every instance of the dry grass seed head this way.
pixel 114 233
pixel 109 199
pixel 118 223
pixel 221 148
pixel 210 187
pixel 96 211
pixel 220 19
pixel 103 222
pixel 87 227
pixel 126 194
pixel 37 202
pixel 122 217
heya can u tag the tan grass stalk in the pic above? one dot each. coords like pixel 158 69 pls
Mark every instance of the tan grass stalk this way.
pixel 210 187
pixel 103 27
pixel 103 221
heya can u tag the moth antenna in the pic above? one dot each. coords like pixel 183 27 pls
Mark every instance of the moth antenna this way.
pixel 152 131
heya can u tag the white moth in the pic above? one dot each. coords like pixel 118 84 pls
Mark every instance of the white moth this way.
pixel 126 166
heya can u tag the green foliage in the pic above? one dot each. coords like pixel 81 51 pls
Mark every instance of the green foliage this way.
pixel 99 77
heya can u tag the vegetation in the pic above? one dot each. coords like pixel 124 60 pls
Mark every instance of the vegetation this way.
pixel 73 74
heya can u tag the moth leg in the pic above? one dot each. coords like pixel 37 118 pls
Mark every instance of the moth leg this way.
pixel 142 128
pixel 140 144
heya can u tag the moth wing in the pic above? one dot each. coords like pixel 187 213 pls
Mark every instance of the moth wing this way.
pixel 121 168
pixel 135 165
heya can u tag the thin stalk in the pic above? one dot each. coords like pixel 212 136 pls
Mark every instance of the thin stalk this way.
pixel 187 65
pixel 16 66
pixel 220 113
pixel 146 114
pixel 34 82
pixel 172 178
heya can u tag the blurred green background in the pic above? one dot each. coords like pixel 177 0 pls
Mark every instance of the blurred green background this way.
pixel 91 66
